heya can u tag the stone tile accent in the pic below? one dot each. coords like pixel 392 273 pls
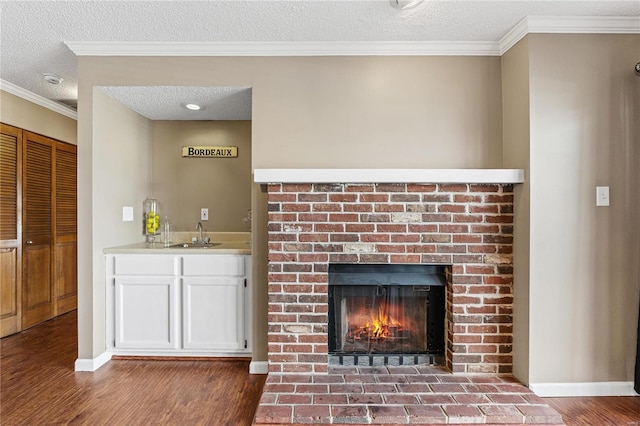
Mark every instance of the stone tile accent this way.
pixel 505 402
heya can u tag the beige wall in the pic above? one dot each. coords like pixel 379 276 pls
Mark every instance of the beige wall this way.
pixel 423 112
pixel 114 170
pixel 26 115
pixel 433 112
pixel 516 147
pixel 584 267
pixel 576 265
pixel 259 235
pixel 185 185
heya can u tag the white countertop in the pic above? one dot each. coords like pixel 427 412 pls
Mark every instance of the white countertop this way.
pixel 228 247
pixel 388 175
pixel 230 243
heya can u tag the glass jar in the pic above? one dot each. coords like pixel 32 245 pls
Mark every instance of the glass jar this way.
pixel 151 226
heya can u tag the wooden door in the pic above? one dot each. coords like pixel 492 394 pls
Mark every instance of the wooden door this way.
pixel 66 267
pixel 37 221
pixel 10 229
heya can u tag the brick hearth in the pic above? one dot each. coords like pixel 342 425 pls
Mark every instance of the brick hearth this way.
pixel 400 395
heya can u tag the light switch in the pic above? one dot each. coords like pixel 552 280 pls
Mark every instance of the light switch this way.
pixel 602 195
pixel 127 214
pixel 204 214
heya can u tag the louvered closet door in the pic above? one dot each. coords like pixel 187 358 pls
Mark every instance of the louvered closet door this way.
pixel 37 221
pixel 66 277
pixel 10 229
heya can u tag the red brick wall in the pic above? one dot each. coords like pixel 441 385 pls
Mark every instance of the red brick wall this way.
pixel 466 226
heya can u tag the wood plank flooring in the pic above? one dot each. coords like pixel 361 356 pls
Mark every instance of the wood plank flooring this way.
pixel 39 387
pixel 598 411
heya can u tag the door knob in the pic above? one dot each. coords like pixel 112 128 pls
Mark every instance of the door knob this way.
pixel 29 242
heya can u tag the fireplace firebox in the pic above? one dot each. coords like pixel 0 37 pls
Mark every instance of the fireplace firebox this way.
pixel 386 313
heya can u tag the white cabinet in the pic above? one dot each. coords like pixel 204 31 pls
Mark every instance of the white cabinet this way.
pixel 145 312
pixel 213 313
pixel 191 304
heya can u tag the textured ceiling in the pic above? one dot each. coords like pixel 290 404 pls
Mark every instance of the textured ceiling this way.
pixel 166 102
pixel 32 33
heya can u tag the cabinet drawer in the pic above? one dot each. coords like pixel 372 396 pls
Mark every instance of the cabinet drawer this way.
pixel 140 264
pixel 217 264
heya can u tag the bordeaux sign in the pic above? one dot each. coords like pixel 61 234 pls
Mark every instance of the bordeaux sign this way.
pixel 210 151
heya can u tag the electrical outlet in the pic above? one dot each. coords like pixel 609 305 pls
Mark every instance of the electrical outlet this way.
pixel 204 214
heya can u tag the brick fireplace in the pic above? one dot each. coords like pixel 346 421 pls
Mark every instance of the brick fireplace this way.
pixel 465 226
pixel 389 220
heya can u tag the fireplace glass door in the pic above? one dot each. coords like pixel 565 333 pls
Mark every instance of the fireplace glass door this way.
pixel 382 314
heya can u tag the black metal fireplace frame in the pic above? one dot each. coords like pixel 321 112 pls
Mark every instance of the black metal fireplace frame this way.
pixel 426 281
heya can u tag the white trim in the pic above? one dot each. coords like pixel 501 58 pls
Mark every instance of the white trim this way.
pixel 528 25
pixel 388 175
pixel 514 35
pixel 92 364
pixel 569 25
pixel 38 100
pixel 583 389
pixel 584 24
pixel 326 48
pixel 258 367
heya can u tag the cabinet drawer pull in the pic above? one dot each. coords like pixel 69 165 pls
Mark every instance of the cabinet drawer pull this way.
pixel 29 242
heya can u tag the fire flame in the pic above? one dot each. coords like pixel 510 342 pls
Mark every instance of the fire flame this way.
pixel 379 325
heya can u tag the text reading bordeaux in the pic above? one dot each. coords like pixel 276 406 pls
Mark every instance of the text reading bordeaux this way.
pixel 210 151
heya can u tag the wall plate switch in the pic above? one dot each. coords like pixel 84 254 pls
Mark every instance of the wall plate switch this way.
pixel 602 195
pixel 127 214
pixel 204 214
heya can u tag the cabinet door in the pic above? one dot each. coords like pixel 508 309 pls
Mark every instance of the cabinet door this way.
pixel 213 313
pixel 10 230
pixel 146 312
pixel 66 276
pixel 37 221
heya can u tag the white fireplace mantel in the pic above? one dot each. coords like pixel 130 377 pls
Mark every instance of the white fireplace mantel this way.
pixel 503 176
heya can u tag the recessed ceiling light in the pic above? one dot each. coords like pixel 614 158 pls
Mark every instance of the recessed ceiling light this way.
pixel 52 78
pixel 192 107
pixel 405 4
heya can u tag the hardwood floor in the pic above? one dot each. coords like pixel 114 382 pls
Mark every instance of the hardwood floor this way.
pixel 598 411
pixel 39 387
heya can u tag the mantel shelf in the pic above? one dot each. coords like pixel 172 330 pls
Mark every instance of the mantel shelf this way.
pixel 388 176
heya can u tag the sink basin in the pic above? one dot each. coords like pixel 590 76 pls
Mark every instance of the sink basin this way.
pixel 194 245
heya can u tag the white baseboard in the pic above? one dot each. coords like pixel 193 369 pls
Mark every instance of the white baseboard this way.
pixel 259 367
pixel 92 364
pixel 583 389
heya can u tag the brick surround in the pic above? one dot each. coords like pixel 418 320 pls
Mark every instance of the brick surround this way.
pixel 466 226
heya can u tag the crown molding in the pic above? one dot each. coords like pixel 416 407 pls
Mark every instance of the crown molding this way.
pixel 528 25
pixel 514 35
pixel 584 24
pixel 38 100
pixel 331 48
pixel 569 25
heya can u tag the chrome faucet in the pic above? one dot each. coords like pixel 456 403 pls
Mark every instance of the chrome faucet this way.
pixel 199 228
